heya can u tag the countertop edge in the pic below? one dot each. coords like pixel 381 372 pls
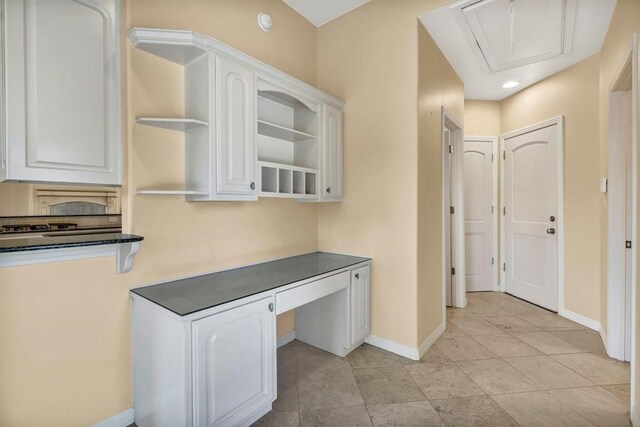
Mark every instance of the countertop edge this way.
pixel 126 238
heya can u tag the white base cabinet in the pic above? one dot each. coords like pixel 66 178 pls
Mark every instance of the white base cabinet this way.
pixel 218 367
pixel 234 363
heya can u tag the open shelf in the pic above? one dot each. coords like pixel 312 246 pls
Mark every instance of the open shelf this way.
pixel 282 132
pixel 279 180
pixel 180 47
pixel 171 193
pixel 184 125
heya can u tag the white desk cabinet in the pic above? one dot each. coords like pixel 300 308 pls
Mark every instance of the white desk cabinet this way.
pixel 217 366
pixel 61 92
pixel 234 363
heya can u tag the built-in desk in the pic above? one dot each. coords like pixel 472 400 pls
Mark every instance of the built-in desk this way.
pixel 204 347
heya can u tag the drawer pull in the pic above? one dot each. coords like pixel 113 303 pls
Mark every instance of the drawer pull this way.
pixel 271 307
pixel 358 276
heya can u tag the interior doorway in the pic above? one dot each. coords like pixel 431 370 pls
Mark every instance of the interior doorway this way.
pixel 480 212
pixel 532 212
pixel 622 205
pixel 454 294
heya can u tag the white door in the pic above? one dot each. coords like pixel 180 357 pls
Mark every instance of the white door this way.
pixel 63 91
pixel 478 211
pixel 332 153
pixel 234 363
pixel 236 130
pixel 531 216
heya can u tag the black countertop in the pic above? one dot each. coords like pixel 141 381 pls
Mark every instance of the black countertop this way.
pixel 57 242
pixel 186 296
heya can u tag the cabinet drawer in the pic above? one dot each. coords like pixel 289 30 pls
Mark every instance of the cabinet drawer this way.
pixel 292 298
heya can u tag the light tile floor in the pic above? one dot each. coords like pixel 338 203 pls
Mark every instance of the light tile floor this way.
pixel 501 362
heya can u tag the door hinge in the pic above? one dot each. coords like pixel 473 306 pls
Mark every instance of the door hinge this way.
pixel 504 210
pixel 628 244
pixel 452 210
pixel 493 260
pixel 450 149
pixel 504 155
pixel 492 209
pixel 504 266
pixel 453 271
pixel 491 157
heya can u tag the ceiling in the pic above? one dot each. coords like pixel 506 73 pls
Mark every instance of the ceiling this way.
pixel 490 42
pixel 319 12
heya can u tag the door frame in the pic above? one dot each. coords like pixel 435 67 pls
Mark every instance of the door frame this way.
pixel 494 202
pixel 559 122
pixel 616 318
pixel 456 230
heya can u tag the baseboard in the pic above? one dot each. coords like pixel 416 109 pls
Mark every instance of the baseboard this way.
pixel 403 350
pixel 635 420
pixel 579 318
pixel 393 347
pixel 431 339
pixel 603 337
pixel 123 419
pixel 286 338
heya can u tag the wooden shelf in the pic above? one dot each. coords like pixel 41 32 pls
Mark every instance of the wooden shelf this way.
pixel 180 47
pixel 281 132
pixel 183 125
pixel 171 193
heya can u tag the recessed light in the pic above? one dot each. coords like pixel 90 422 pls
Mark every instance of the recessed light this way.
pixel 264 22
pixel 510 84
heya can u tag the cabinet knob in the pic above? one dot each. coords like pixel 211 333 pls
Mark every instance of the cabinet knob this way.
pixel 271 307
pixel 328 190
pixel 357 275
pixel 253 185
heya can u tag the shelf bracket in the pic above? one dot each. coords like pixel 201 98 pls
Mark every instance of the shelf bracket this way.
pixel 124 256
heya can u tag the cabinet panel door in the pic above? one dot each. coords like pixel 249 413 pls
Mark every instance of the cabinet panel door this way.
pixel 236 130
pixel 63 103
pixel 359 304
pixel 332 153
pixel 234 363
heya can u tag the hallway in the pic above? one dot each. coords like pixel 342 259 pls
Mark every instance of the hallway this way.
pixel 501 362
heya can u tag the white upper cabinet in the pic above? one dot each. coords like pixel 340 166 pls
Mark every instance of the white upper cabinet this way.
pixel 61 93
pixel 332 154
pixel 250 130
pixel 236 102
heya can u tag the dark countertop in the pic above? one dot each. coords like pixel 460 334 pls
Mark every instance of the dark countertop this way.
pixel 186 296
pixel 38 243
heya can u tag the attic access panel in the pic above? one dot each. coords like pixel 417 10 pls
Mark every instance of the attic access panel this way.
pixel 505 34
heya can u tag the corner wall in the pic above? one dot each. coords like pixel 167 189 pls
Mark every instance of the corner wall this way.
pixel 369 57
pixel 438 85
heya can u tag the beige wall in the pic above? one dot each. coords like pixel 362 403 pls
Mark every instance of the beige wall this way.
pixel 65 327
pixel 481 118
pixel 369 58
pixel 573 93
pixel 438 85
pixel 15 199
pixel 625 21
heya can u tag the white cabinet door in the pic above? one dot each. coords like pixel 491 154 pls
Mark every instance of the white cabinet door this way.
pixel 62 91
pixel 331 153
pixel 359 305
pixel 236 136
pixel 234 363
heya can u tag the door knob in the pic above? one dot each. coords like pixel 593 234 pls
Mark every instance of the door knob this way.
pixel 253 185
pixel 271 307
pixel 357 275
pixel 551 231
pixel 328 190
